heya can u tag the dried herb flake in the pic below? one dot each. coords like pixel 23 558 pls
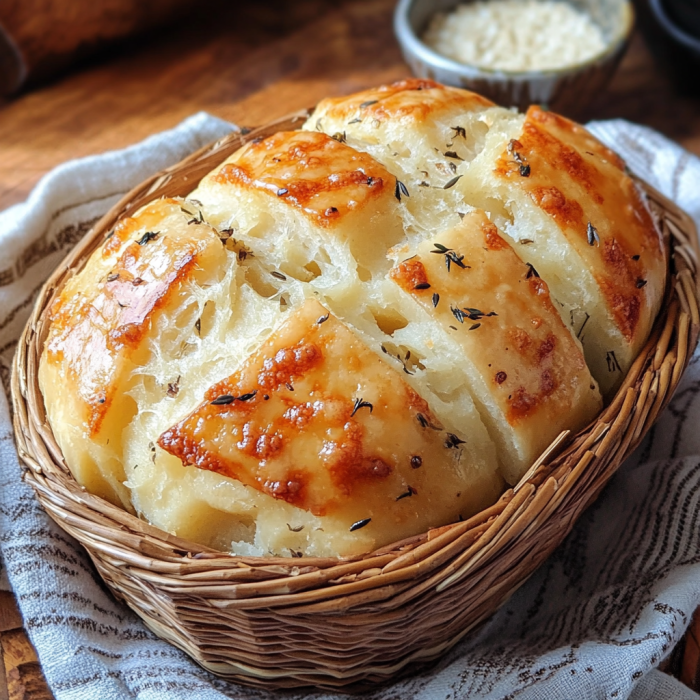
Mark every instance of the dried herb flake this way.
pixel 360 524
pixel 359 403
pixel 457 313
pixel 226 399
pixel 400 189
pixel 531 272
pixel 592 234
pixel 453 441
pixel 198 219
pixel 173 388
pixel 613 364
pixel 148 236
pixel 452 257
pixel 411 491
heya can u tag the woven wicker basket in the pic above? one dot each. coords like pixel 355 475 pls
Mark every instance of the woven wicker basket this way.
pixel 348 624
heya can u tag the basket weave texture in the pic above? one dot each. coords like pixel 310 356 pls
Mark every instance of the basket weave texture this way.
pixel 347 624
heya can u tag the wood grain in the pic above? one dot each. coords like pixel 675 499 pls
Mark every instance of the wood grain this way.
pixel 42 37
pixel 248 63
pixel 21 677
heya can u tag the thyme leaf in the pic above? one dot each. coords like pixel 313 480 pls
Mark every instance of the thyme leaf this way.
pixel 453 441
pixel 360 524
pixel 148 236
pixel 531 272
pixel 400 189
pixel 592 234
pixel 360 403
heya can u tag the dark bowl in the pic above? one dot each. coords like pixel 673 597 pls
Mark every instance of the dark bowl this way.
pixel 677 19
pixel 686 14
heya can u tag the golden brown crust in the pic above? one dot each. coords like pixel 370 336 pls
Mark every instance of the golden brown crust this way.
pixel 582 185
pixel 318 420
pixel 415 99
pixel 312 172
pixel 98 323
pixel 500 312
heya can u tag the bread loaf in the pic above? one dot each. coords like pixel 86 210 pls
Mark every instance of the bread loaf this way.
pixel 348 334
pixel 561 197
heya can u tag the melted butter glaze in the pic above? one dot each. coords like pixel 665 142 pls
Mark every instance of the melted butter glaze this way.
pixel 97 324
pixel 312 172
pixel 322 423
pixel 576 180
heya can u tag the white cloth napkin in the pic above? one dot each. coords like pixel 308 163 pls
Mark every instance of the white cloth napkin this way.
pixel 593 622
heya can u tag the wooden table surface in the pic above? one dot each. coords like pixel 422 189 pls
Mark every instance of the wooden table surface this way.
pixel 248 63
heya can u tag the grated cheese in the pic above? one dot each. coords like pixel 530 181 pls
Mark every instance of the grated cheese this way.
pixel 516 35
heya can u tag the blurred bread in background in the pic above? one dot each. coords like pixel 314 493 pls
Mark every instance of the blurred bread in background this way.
pixel 41 38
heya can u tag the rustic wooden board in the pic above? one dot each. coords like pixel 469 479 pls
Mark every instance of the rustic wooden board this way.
pixel 20 674
pixel 248 63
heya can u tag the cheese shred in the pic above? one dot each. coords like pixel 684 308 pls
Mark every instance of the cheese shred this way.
pixel 516 35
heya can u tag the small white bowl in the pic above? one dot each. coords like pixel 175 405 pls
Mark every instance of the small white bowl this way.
pixel 568 90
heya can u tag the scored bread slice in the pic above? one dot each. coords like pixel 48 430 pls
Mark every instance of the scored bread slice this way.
pixel 421 131
pixel 574 213
pixel 99 328
pixel 317 420
pixel 306 204
pixel 526 372
pixel 549 185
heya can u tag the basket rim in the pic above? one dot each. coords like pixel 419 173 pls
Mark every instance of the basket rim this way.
pixel 178 556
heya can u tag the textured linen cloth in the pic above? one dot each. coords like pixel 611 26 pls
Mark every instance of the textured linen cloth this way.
pixel 593 622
